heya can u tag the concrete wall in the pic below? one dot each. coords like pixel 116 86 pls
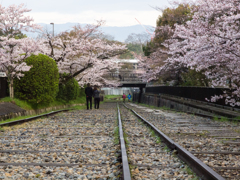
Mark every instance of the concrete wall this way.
pixel 163 101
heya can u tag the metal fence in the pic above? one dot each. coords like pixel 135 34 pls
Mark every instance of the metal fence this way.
pixel 196 93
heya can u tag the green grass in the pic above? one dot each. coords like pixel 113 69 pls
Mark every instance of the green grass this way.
pixel 125 139
pixel 165 108
pixel 152 133
pixel 27 106
pixel 37 175
pixel 222 119
pixel 158 140
pixel 189 171
pixel 154 107
pixel 237 118
pixel 16 118
pixel 1 129
pixel 18 102
pixel 116 136
pixel 108 97
pixel 237 130
pixel 78 107
pixel 166 149
pixel 20 117
pixel 146 105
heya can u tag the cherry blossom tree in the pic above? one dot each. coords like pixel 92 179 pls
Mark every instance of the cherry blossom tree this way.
pixel 152 64
pixel 210 42
pixel 178 13
pixel 13 51
pixel 82 55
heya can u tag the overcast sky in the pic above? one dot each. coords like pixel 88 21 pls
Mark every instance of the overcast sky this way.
pixel 115 13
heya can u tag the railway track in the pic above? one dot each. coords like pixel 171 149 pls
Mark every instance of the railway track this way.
pixel 148 157
pixel 214 143
pixel 91 145
pixel 70 145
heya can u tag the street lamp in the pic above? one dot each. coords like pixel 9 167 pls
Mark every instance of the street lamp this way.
pixel 53 28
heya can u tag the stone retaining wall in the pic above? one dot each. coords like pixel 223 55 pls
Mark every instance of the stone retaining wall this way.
pixel 183 105
pixel 161 101
pixel 35 112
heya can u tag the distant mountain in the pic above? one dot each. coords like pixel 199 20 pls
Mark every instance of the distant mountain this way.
pixel 119 33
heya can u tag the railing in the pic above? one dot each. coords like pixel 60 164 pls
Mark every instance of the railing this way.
pixel 196 93
pixel 124 77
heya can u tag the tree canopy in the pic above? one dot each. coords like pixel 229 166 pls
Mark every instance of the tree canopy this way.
pixel 208 43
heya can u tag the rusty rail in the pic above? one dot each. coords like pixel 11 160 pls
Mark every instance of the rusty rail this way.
pixel 201 169
pixel 125 164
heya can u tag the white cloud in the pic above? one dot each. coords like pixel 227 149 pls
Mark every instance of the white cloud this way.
pixel 114 18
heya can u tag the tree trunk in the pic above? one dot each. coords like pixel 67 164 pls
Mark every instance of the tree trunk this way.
pixel 11 89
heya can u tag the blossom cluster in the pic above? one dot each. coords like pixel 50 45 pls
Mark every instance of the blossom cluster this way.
pixel 209 42
pixel 80 53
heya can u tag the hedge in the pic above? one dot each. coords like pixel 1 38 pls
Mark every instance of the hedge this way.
pixel 40 84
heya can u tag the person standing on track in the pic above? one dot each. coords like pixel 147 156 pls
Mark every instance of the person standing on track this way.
pixel 89 93
pixel 124 97
pixel 96 95
pixel 129 97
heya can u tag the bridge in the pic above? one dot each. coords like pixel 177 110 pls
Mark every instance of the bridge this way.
pixel 128 79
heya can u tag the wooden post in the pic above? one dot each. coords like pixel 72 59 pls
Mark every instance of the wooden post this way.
pixel 140 95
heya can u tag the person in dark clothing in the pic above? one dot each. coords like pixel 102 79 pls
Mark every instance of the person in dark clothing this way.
pixel 120 77
pixel 89 94
pixel 96 95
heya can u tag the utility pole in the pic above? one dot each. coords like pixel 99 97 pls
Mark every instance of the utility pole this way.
pixel 152 35
pixel 53 28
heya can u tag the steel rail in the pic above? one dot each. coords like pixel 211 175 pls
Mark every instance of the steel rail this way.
pixel 201 169
pixel 31 118
pixel 125 164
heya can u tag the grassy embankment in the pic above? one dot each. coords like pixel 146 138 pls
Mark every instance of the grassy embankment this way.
pixel 28 106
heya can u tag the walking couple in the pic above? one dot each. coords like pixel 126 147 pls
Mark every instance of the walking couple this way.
pixel 92 93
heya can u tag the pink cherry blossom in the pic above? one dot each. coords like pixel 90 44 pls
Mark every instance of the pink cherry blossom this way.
pixel 209 42
pixel 82 54
pixel 13 51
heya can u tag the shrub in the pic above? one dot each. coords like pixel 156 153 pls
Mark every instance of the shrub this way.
pixel 40 84
pixel 68 91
